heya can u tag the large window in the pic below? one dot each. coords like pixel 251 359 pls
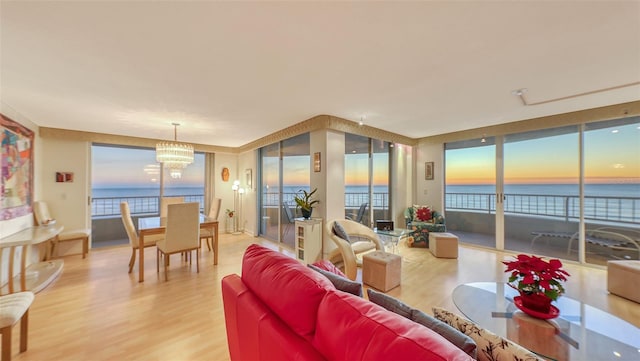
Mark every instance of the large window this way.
pixel 131 174
pixel 539 202
pixel 366 179
pixel 285 169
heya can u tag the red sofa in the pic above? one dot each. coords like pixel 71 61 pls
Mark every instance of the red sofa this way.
pixel 282 310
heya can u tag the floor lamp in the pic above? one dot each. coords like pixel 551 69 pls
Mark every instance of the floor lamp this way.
pixel 240 221
pixel 236 188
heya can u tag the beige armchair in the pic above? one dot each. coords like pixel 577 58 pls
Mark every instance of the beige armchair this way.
pixel 43 216
pixel 214 213
pixel 361 240
pixel 134 240
pixel 182 234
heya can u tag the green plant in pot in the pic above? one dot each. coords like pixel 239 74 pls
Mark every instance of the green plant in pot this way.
pixel 305 202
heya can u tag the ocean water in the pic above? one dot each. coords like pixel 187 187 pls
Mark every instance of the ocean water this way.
pixel 614 190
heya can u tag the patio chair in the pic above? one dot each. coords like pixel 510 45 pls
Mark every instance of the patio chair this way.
pixel 361 211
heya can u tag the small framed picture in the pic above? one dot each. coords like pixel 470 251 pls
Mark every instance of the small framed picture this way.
pixel 428 170
pixel 316 162
pixel 248 173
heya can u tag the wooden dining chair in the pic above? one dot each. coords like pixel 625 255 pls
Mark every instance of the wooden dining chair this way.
pixel 182 234
pixel 43 216
pixel 166 201
pixel 134 240
pixel 214 213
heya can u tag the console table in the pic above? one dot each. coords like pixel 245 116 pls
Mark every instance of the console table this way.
pixel 32 276
pixel 581 332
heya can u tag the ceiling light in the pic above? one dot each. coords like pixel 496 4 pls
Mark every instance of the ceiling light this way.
pixel 483 140
pixel 615 131
pixel 173 155
pixel 362 118
pixel 520 93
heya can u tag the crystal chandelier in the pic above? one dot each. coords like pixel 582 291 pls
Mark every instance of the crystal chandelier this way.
pixel 173 155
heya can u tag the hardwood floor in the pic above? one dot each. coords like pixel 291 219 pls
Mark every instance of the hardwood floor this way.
pixel 96 311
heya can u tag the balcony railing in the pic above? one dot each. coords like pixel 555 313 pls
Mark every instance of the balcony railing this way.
pixel 110 206
pixel 596 208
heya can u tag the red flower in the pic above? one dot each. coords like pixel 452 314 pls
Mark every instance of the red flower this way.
pixel 531 274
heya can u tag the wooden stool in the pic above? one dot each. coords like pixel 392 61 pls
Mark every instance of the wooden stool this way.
pixel 14 307
pixel 381 270
pixel 443 245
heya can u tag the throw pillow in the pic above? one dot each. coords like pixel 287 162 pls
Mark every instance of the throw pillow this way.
pixel 423 214
pixel 415 209
pixel 339 231
pixel 392 304
pixel 460 340
pixel 341 283
pixel 326 265
pixel 490 346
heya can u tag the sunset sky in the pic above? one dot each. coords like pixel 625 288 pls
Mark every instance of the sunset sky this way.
pixel 612 155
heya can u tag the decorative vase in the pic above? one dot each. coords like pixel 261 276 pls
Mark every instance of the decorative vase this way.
pixel 536 301
pixel 306 213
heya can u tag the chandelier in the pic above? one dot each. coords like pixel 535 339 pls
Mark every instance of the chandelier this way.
pixel 173 155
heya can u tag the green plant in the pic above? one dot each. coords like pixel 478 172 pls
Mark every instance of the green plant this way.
pixel 533 275
pixel 303 199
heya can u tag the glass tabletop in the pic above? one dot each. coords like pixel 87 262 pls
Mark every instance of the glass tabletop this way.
pixel 398 232
pixel 581 332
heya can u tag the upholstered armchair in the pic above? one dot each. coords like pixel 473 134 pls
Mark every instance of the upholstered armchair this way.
pixel 352 240
pixel 420 221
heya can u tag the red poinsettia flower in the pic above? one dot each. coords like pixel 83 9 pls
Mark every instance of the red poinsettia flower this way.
pixel 531 274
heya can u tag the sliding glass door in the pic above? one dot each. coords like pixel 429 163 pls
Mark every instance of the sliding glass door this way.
pixel 470 199
pixel 569 192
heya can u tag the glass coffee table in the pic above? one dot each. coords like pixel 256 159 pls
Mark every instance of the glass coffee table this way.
pixel 581 332
pixel 392 237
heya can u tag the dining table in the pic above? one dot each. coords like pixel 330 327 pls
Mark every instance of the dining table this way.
pixel 149 226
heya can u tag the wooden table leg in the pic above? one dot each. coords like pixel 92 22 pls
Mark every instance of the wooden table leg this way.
pixel 215 244
pixel 141 258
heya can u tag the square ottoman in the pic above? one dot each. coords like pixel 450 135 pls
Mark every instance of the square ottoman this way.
pixel 443 245
pixel 381 270
pixel 623 277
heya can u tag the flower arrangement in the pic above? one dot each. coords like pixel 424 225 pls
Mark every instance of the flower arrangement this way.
pixel 229 213
pixel 533 275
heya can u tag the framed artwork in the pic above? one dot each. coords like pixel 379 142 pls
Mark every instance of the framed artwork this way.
pixel 16 189
pixel 428 170
pixel 64 177
pixel 248 174
pixel 316 162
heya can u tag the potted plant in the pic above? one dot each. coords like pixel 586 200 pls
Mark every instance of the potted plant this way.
pixel 538 281
pixel 305 202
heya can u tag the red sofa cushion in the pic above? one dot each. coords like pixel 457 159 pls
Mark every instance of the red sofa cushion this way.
pixel 355 329
pixel 291 290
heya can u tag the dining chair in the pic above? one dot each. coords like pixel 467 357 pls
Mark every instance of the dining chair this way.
pixel 214 213
pixel 290 219
pixel 134 240
pixel 166 201
pixel 43 216
pixel 182 234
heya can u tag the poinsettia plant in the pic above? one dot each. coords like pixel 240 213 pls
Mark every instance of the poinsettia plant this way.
pixel 534 275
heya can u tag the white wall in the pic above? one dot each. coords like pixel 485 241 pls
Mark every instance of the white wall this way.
pixel 68 202
pixel 429 192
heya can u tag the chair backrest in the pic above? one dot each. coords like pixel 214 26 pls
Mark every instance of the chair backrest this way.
pixel 287 212
pixel 166 201
pixel 128 224
pixel 361 211
pixel 214 210
pixel 347 253
pixel 41 212
pixel 183 227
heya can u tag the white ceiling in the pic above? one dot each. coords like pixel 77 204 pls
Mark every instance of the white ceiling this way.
pixel 232 72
